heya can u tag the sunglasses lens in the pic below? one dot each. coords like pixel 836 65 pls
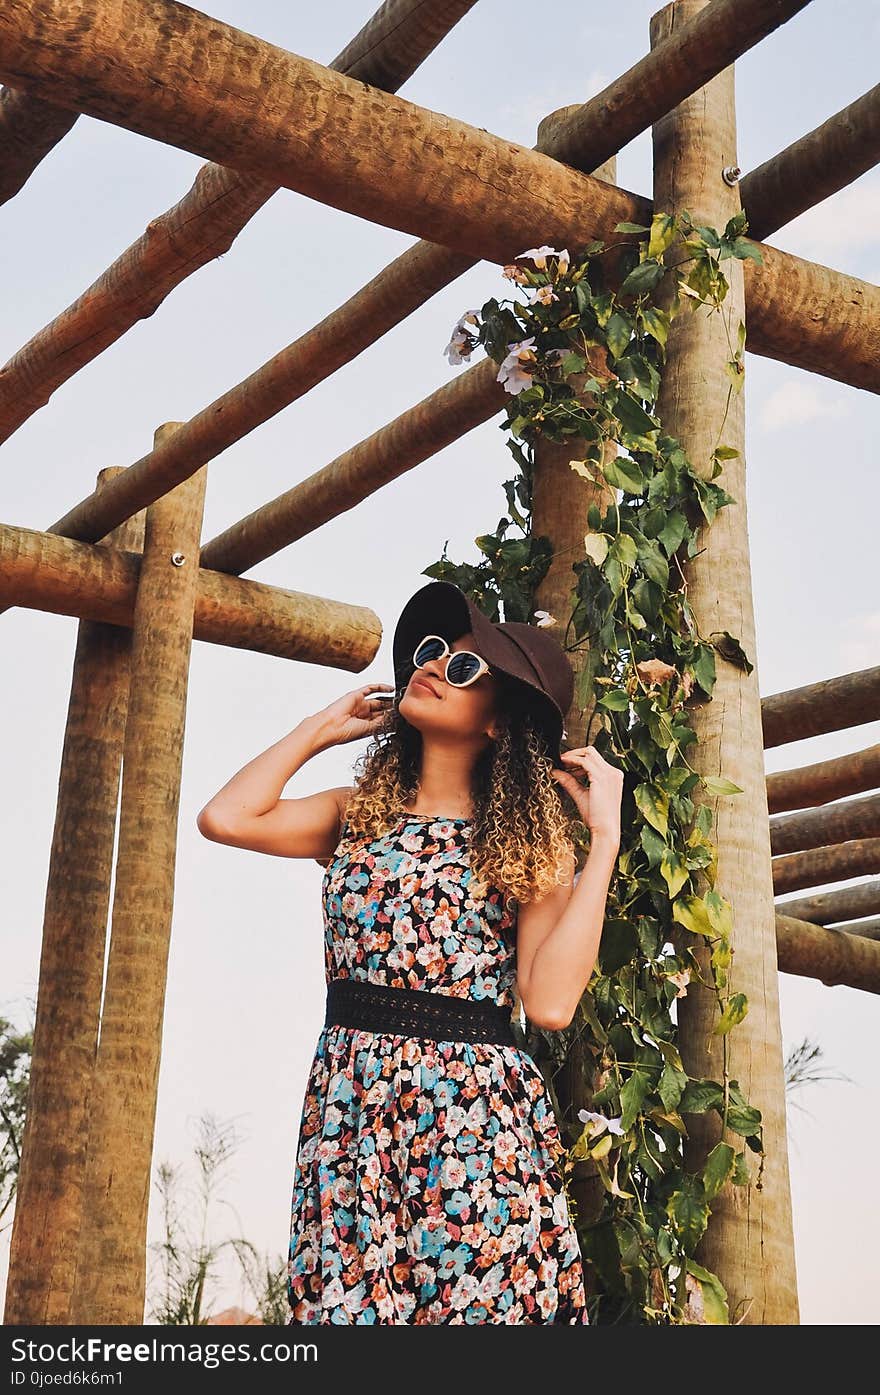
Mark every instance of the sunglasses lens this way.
pixel 462 667
pixel 428 650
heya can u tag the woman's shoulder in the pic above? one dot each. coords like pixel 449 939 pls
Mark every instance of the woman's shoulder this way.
pixel 343 794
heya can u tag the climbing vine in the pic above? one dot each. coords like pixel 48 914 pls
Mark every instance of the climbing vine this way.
pixel 580 345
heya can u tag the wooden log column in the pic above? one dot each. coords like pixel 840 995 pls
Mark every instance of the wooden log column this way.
pixel 749 1240
pixel 110 1280
pixel 561 499
pixel 48 1208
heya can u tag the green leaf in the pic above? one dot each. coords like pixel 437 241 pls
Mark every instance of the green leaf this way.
pixel 735 1009
pixel 718 784
pixel 623 473
pixel 700 1095
pixel 736 372
pixel 719 911
pixel 713 1293
pixel 632 1094
pixel 671 1085
pixel 725 453
pixel 692 912
pixel 656 323
pixel 654 564
pixel 602 307
pixel 673 871
pixel 617 945
pixel 744 248
pixel 625 549
pixel 618 332
pixel 740 1177
pixel 632 416
pixel 653 844
pixel 672 534
pixel 662 234
pixel 719 1168
pixel 689 1212
pixel 653 804
pixel 615 700
pixel 573 363
pixel 643 277
pixel 630 227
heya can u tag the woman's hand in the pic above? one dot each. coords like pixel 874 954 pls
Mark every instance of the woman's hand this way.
pixel 598 800
pixel 353 715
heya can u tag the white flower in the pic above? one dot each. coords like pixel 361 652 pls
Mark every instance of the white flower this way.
pixel 539 256
pixel 544 618
pixel 462 343
pixel 513 373
pixel 599 1122
pixel 543 295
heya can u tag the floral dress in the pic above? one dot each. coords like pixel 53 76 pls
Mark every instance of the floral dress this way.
pixel 428 1185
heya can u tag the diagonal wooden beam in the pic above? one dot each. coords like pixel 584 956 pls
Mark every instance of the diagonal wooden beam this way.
pixel 503 173
pixel 414 436
pixel 382 158
pixel 814 167
pixel 202 226
pixel 29 129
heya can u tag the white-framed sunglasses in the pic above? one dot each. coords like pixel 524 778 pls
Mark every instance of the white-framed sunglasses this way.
pixel 463 667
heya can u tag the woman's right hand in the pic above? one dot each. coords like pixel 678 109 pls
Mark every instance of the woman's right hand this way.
pixel 353 715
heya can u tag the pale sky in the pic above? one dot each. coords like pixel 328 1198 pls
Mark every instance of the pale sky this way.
pixel 245 985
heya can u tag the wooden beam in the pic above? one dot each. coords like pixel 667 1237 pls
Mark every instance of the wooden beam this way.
pixel 858 857
pixel 833 907
pixel 29 129
pixel 749 1241
pixel 110 1276
pixel 203 225
pixel 814 167
pixel 45 572
pixel 817 708
pixel 48 1203
pixel 417 170
pixel 688 57
pixel 830 823
pixel 808 785
pixel 870 927
pixel 412 437
pixel 833 956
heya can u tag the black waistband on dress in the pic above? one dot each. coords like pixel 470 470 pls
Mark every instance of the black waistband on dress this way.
pixel 415 1012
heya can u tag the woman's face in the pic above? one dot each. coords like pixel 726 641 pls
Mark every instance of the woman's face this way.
pixel 439 709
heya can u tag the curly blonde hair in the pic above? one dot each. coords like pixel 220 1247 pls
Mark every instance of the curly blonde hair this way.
pixel 521 831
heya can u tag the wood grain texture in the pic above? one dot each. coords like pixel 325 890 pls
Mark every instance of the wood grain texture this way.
pixel 749 1241
pixel 48 1207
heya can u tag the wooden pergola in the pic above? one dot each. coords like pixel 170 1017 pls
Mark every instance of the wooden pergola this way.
pixel 129 561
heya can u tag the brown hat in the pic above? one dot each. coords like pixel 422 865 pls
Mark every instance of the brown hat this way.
pixel 524 652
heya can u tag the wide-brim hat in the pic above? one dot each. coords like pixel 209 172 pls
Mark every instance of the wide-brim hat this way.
pixel 526 653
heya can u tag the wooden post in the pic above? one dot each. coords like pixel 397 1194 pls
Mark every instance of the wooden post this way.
pixel 110 1281
pixel 749 1241
pixel 48 1206
pixel 561 499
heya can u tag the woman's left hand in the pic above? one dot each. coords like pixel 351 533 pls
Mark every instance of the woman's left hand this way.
pixel 598 800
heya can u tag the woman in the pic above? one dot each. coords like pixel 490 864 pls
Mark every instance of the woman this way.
pixel 429 1175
